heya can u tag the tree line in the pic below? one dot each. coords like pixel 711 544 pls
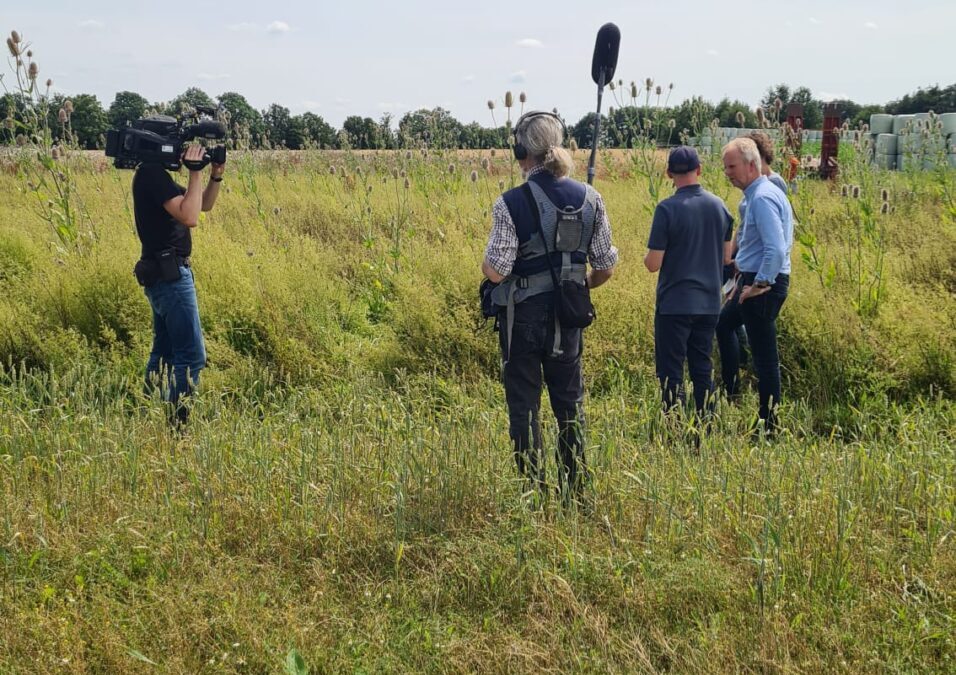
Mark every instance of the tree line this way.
pixel 275 127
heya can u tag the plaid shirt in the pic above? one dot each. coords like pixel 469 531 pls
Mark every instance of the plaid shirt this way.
pixel 502 249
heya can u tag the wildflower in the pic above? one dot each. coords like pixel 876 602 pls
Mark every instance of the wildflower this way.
pixel 474 176
pixel 408 154
pixel 62 116
pixel 403 173
pixel 844 190
pixel 509 99
pixel 491 104
pixel 15 36
pixel 620 83
pixel 778 104
pixel 34 70
pixel 760 116
pixel 856 192
pixel 670 87
pixel 395 174
pixel 12 46
pixel 49 83
pixel 451 168
pixel 884 208
pixel 740 118
pixel 68 106
pixel 671 123
pixel 522 97
pixel 633 90
pixel 658 90
pixel 55 153
pixel 573 145
pixel 885 195
pixel 332 169
pixel 407 183
pixel 485 163
pixel 492 152
pixel 648 83
pixel 612 86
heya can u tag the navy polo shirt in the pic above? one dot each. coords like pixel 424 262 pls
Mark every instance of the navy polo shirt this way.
pixel 690 227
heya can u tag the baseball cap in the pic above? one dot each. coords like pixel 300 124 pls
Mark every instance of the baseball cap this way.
pixel 683 160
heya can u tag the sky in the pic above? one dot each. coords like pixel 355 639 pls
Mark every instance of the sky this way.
pixel 357 57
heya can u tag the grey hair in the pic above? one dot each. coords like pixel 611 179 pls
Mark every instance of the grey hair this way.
pixel 542 135
pixel 747 149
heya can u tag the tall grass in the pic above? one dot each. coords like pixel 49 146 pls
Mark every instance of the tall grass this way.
pixel 345 492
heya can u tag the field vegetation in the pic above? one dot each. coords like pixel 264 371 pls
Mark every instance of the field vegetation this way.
pixel 344 497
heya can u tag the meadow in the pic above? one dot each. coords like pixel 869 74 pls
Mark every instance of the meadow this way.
pixel 344 498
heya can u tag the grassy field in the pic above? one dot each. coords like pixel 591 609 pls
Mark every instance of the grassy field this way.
pixel 345 499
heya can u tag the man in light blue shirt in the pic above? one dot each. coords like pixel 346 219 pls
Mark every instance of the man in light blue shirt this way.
pixel 765 238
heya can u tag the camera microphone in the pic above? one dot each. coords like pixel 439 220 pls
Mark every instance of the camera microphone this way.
pixel 604 61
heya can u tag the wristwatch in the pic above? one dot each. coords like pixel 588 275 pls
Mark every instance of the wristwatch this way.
pixel 216 179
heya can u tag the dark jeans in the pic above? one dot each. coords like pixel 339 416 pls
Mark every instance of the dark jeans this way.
pixel 530 355
pixel 759 316
pixel 178 353
pixel 678 337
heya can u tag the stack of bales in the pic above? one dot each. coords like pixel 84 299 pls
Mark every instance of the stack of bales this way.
pixel 915 141
pixel 711 139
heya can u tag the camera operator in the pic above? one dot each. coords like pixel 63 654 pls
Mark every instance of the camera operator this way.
pixel 165 214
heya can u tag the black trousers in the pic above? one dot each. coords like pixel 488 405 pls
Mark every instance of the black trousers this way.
pixel 528 359
pixel 684 336
pixel 759 315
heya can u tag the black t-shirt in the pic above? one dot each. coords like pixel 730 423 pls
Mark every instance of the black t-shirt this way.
pixel 157 230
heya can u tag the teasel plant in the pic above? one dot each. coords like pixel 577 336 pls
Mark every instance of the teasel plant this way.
pixel 42 156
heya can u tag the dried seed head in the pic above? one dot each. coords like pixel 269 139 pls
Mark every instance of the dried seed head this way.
pixel 485 163
pixel 368 189
pixel 12 46
pixel 491 104
pixel 15 37
pixel 501 185
pixel 509 99
pixel 403 173
pixel 778 103
pixel 62 116
pixel 610 111
pixel 812 210
pixel 573 145
pixel 55 153
pixel 658 90
pixel 648 83
pixel 21 140
pixel 395 174
pixel 633 90
pixel 276 210
pixel 332 169
pixel 474 176
pixel 29 53
pixel 68 106
pixel 33 70
pixel 760 116
pixel 407 183
pixel 49 83
pixel 8 123
pixel 451 168
pixel 612 86
pixel 884 208
pixel 670 86
pixel 408 154
pixel 492 152
pixel 671 123
pixel 885 195
pixel 522 97
pixel 865 128
pixel 740 118
pixel 844 190
pixel 856 192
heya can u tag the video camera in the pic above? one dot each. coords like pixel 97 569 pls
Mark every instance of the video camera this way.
pixel 160 139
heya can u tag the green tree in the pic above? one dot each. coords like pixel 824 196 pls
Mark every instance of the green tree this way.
pixel 88 121
pixel 434 128
pixel 318 131
pixel 940 100
pixel 582 131
pixel 191 98
pixel 242 116
pixel 277 121
pixel 362 133
pixel 126 108
pixel 812 110
pixel 726 113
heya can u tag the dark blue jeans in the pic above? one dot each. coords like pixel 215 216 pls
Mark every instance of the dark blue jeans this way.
pixel 178 353
pixel 680 337
pixel 759 316
pixel 529 357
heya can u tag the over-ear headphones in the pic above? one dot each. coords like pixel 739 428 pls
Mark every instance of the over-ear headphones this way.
pixel 520 151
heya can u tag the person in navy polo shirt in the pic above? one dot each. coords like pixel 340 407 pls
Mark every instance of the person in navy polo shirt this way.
pixel 689 243
pixel 763 260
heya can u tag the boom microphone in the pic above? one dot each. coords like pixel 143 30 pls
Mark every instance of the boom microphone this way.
pixel 604 61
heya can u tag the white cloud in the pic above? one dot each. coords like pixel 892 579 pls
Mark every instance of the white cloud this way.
pixel 518 76
pixel 815 20
pixel 278 27
pixel 830 96
pixel 241 27
pixel 91 23
pixel 531 43
pixel 713 52
pixel 870 25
